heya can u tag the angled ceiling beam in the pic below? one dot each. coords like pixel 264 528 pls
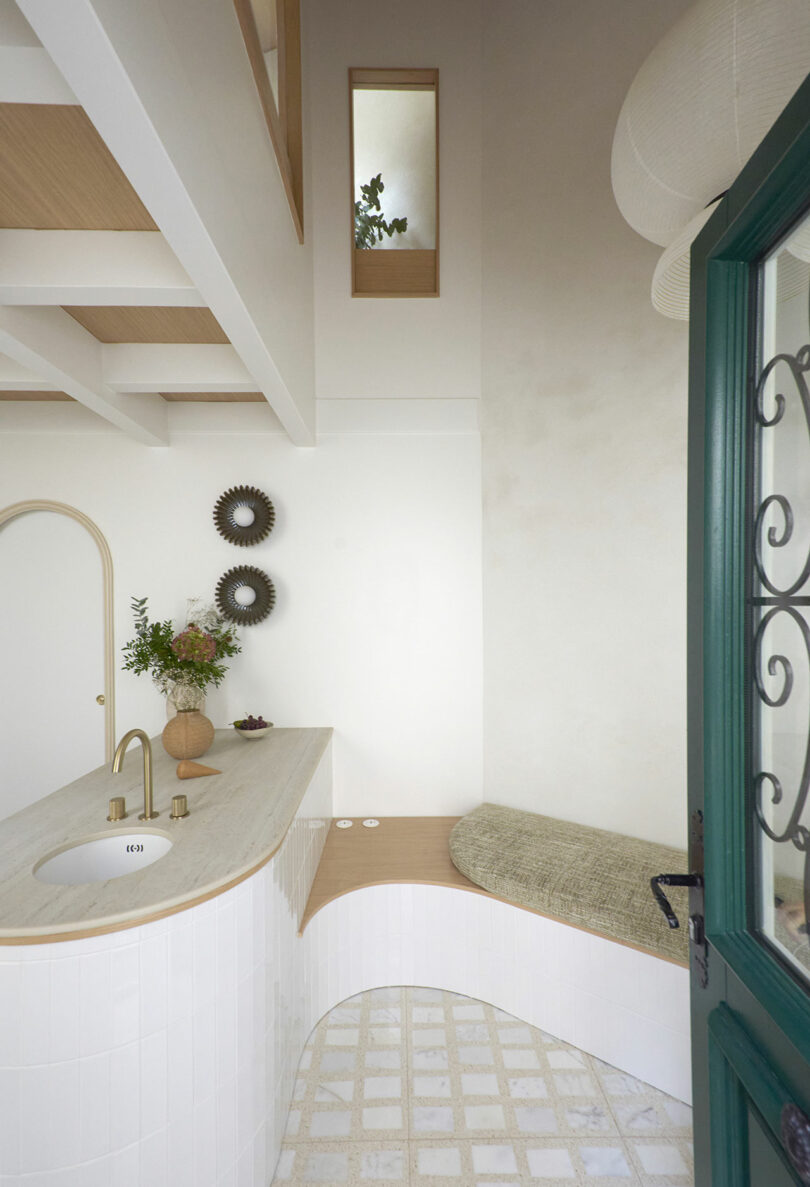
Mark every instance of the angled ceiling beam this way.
pixel 150 367
pixel 54 346
pixel 14 378
pixel 91 268
pixel 176 104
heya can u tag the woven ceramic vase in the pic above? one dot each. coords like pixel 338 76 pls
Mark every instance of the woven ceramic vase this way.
pixel 188 735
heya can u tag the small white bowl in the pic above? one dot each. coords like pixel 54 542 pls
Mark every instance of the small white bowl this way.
pixel 253 735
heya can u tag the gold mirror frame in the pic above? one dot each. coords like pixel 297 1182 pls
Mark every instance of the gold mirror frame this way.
pixel 408 272
pixel 283 118
pixel 16 509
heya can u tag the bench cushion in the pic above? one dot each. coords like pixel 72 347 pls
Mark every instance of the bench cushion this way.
pixel 588 877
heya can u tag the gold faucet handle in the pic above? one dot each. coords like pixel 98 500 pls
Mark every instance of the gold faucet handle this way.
pixel 118 808
pixel 179 807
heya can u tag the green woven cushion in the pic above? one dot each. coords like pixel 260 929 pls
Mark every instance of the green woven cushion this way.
pixel 586 876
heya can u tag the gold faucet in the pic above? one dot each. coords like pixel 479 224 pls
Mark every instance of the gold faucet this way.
pixel 146 746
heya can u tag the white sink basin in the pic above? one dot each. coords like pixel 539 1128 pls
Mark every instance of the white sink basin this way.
pixel 100 858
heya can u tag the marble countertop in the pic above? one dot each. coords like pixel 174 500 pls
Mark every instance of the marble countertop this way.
pixel 237 821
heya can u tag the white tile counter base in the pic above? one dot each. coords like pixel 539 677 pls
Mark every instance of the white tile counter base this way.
pixel 165 1055
pixel 625 1007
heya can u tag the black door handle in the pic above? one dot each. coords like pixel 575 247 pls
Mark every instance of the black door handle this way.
pixel 672 880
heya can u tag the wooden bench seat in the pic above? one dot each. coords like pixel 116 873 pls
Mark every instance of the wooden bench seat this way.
pixel 595 880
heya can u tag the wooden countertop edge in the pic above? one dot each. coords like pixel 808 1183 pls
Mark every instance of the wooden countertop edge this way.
pixel 310 913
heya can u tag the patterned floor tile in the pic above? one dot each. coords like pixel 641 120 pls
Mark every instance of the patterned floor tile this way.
pixel 424 1088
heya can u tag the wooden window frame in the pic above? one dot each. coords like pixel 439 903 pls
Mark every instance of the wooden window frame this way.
pixel 283 121
pixel 409 272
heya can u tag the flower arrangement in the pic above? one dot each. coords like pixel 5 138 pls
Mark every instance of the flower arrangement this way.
pixel 182 664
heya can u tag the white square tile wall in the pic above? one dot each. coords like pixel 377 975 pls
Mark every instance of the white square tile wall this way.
pixel 163 1055
pixel 429 935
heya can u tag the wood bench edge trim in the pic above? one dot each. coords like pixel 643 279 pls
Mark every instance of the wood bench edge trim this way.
pixel 309 914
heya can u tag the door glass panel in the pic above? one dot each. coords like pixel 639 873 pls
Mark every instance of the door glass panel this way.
pixel 781 601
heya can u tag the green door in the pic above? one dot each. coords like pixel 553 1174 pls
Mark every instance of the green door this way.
pixel 749 669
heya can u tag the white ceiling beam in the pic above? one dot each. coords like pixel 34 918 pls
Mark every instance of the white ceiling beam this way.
pixel 28 75
pixel 54 346
pixel 14 378
pixel 91 268
pixel 153 367
pixel 176 104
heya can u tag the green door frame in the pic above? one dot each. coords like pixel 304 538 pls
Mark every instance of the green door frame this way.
pixel 751 1024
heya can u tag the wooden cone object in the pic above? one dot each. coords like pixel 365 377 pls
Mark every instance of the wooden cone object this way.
pixel 193 770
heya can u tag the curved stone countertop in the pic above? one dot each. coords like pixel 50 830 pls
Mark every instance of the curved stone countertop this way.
pixel 237 821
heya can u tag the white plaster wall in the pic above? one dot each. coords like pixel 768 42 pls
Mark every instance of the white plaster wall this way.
pixel 426 348
pixel 376 561
pixel 584 437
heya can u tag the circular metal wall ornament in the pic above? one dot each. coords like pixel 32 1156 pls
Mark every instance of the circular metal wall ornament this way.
pixel 256 502
pixel 245 576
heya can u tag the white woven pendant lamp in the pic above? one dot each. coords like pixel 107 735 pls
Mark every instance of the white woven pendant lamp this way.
pixel 695 112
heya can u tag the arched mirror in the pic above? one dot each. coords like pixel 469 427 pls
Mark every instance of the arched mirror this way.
pixel 56 639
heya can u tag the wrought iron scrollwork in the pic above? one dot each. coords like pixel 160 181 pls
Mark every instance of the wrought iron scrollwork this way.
pixel 779 536
pixel 783 604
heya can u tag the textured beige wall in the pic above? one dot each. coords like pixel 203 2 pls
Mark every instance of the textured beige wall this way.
pixel 584 437
pixel 418 347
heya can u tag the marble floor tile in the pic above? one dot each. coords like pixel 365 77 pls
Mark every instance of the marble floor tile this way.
pixel 330 1125
pixel 527 1087
pixel 383 1059
pixel 605 1162
pixel 430 1060
pixel 422 1015
pixel 383 1117
pixel 433 1119
pixel 479 1084
pixel 332 1091
pixel 551 1162
pixel 432 1086
pixel 478 1117
pixel 534 1120
pixel 375 1087
pixel 439 1160
pixel 384 1165
pixel 425 1088
pixel 521 1059
pixel 476 1056
pixel 497 1160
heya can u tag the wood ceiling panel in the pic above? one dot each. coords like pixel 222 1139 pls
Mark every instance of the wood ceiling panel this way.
pixel 213 397
pixel 169 324
pixel 58 174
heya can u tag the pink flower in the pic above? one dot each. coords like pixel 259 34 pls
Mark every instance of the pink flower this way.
pixel 194 644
